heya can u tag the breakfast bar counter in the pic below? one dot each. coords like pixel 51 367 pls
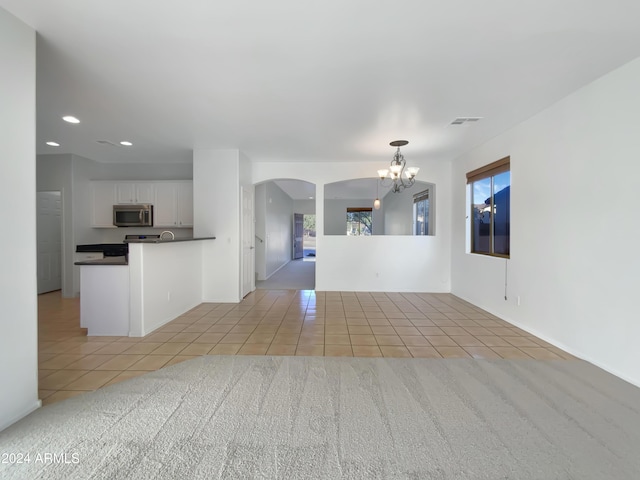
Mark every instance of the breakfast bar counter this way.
pixel 165 240
pixel 105 261
pixel 135 294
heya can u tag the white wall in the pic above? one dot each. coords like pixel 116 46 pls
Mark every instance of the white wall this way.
pixel 364 264
pixel 165 281
pixel 398 209
pixel 18 284
pixel 216 211
pixel 279 229
pixel 574 229
pixel 424 261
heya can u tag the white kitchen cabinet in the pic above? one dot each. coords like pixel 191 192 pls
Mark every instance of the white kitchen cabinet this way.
pixel 185 204
pixel 103 195
pixel 104 299
pixel 164 208
pixel 173 206
pixel 135 192
pixel 172 201
pixel 82 257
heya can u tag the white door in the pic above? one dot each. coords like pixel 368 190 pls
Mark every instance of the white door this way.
pixel 49 235
pixel 298 233
pixel 248 250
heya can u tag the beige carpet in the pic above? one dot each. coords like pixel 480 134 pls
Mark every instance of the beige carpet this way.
pixel 320 417
pixel 295 275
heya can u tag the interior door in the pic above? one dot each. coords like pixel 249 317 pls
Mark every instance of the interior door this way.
pixel 298 231
pixel 248 249
pixel 49 239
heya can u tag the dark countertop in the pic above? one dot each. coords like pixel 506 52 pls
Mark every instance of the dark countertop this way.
pixel 105 261
pixel 158 240
pixel 102 247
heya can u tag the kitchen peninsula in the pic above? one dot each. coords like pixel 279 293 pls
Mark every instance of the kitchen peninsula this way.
pixel 136 294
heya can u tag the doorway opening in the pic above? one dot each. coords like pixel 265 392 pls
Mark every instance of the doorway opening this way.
pixel 309 237
pixel 49 240
pixel 285 241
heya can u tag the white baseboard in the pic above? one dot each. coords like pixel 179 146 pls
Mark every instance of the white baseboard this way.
pixel 277 270
pixel 556 343
pixel 32 408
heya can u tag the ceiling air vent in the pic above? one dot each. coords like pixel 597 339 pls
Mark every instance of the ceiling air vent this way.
pixel 462 120
pixel 106 142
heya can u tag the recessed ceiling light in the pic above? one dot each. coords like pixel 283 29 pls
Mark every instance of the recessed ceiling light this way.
pixel 126 144
pixel 310 198
pixel 70 119
pixel 53 144
pixel 461 120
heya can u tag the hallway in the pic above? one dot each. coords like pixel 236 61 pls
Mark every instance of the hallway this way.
pixel 296 275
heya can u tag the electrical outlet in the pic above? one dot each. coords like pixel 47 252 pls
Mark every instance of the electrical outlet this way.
pixel 168 296
pixel 518 300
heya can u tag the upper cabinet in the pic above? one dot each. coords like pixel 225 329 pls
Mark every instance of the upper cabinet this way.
pixel 174 204
pixel 172 201
pixel 103 196
pixel 185 204
pixel 139 192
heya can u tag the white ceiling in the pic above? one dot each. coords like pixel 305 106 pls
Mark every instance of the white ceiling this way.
pixel 288 80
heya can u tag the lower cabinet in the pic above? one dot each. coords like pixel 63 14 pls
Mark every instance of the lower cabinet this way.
pixel 104 299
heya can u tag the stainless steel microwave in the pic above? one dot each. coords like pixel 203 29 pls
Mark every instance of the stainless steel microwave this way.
pixel 133 215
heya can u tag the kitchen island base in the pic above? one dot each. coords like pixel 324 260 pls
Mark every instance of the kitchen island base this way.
pixel 104 299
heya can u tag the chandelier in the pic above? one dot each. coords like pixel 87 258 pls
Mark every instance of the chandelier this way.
pixel 398 176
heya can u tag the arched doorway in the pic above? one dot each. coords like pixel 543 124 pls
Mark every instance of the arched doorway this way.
pixel 285 234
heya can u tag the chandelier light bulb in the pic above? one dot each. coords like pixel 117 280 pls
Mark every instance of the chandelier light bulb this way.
pixel 412 172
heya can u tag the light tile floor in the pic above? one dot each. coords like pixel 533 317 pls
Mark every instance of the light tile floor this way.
pixel 276 322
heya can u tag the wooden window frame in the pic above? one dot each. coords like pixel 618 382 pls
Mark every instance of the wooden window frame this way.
pixel 362 209
pixel 417 198
pixel 488 171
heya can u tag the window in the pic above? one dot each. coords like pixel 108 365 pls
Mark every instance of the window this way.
pixel 421 213
pixel 491 208
pixel 359 221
